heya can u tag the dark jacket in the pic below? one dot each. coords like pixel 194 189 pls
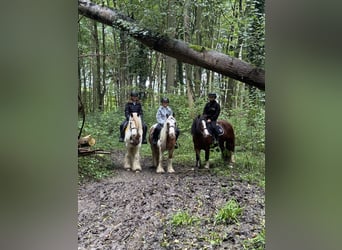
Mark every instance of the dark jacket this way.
pixel 131 108
pixel 212 110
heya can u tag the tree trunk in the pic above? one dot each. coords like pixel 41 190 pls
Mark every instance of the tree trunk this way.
pixel 196 55
pixel 170 63
pixel 188 75
pixel 96 70
pixel 103 87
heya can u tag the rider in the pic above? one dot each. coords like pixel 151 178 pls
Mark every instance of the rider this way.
pixel 211 111
pixel 162 113
pixel 132 106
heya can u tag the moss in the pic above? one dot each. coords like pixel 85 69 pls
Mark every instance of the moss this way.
pixel 198 48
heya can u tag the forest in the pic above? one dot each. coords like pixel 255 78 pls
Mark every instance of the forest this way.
pixel 182 50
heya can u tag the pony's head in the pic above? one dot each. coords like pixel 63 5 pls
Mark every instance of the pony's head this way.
pixel 134 129
pixel 168 133
pixel 199 126
pixel 170 126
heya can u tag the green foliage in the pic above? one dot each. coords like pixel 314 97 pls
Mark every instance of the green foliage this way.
pixel 256 243
pixel 249 125
pixel 101 126
pixel 214 238
pixel 94 167
pixel 198 48
pixel 183 218
pixel 229 213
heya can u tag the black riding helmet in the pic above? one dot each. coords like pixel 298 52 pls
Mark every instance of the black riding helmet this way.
pixel 164 99
pixel 135 94
pixel 212 95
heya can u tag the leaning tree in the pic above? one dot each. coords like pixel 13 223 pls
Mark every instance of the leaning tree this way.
pixel 187 53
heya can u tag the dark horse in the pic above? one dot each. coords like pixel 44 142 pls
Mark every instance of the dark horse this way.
pixel 202 139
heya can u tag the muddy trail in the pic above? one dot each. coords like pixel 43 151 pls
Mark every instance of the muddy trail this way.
pixel 134 210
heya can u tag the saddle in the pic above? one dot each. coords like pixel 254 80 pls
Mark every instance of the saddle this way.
pixel 218 128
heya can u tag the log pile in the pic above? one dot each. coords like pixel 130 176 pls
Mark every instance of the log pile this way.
pixel 84 144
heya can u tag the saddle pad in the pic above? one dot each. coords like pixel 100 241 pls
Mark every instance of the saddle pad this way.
pixel 220 129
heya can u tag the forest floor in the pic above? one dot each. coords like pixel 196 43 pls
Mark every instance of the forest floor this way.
pixel 135 210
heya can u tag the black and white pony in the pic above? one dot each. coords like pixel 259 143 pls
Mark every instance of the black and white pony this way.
pixel 133 139
pixel 166 142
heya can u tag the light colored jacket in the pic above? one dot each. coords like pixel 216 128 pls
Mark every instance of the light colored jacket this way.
pixel 162 112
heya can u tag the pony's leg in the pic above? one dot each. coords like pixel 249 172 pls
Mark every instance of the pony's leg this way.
pixel 169 162
pixel 232 159
pixel 223 151
pixel 198 159
pixel 127 163
pixel 160 168
pixel 155 156
pixel 230 152
pixel 207 151
pixel 153 160
pixel 136 159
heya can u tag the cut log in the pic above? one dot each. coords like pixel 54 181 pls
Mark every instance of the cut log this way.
pixel 86 141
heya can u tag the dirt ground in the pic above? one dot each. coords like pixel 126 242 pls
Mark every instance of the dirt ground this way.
pixel 134 210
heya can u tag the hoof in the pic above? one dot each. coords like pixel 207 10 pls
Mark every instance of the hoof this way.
pixel 160 171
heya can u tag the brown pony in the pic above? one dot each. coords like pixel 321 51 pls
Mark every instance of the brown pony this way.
pixel 203 139
pixel 166 142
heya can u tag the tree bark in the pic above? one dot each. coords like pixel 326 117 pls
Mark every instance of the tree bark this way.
pixel 201 56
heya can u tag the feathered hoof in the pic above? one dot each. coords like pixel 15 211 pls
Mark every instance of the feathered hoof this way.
pixel 171 171
pixel 160 171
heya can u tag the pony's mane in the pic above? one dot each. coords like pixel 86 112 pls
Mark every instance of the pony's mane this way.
pixel 195 124
pixel 137 120
pixel 138 124
pixel 162 132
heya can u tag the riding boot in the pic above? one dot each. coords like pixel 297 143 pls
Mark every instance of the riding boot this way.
pixel 122 135
pixel 144 141
pixel 122 131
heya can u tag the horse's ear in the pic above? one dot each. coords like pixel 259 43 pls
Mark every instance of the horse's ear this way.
pixel 198 116
pixel 174 114
pixel 167 116
pixel 131 114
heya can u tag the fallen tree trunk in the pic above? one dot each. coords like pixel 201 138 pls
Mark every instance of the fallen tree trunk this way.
pixel 196 55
